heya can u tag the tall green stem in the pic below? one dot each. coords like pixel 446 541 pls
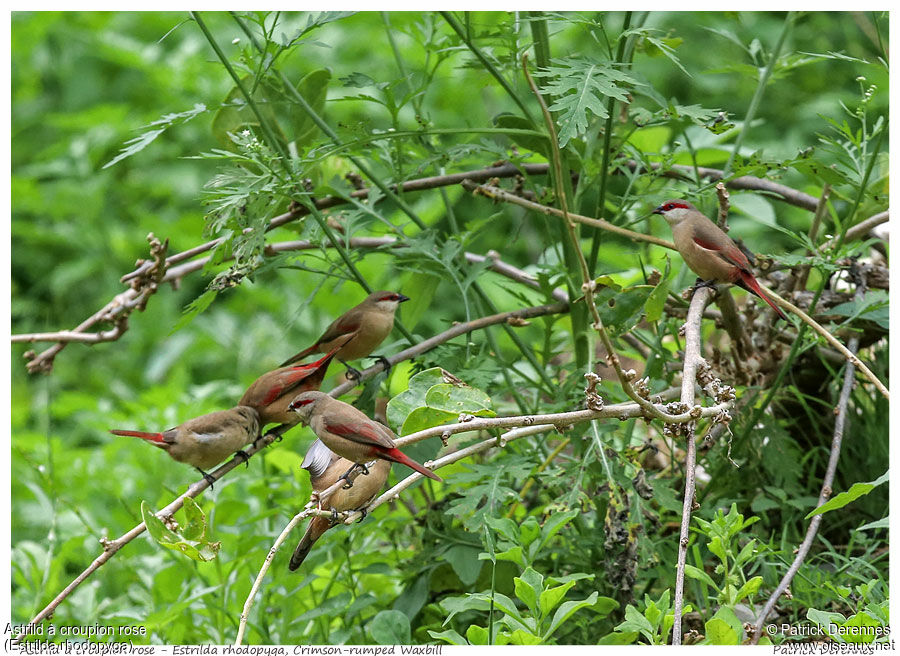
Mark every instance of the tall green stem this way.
pixel 760 89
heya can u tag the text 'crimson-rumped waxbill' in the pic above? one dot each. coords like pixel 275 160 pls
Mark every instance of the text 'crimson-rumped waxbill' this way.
pixel 708 251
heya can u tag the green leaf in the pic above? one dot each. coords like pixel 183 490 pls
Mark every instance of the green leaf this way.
pixel 450 636
pixel 390 627
pixel 195 547
pixel 464 561
pixel 555 524
pixel 719 633
pixel 635 621
pixel 535 144
pixel 581 86
pixel 520 637
pixel 748 589
pixel 653 306
pixel 194 308
pixel 856 491
pixel 526 591
pixel 696 573
pixel 884 522
pixel 477 635
pixel 566 611
pixel 459 398
pixel 619 638
pixel 551 597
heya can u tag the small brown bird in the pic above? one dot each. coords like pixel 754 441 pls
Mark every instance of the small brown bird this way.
pixel 369 323
pixel 325 468
pixel 708 251
pixel 271 393
pixel 205 441
pixel 349 433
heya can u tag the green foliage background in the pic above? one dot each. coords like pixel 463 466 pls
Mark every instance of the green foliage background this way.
pixel 84 84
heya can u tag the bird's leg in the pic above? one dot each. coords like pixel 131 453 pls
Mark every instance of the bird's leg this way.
pixel 703 283
pixel 384 362
pixel 240 453
pixel 209 478
pixel 363 512
pixel 365 470
pixel 334 517
pixel 344 476
pixel 351 373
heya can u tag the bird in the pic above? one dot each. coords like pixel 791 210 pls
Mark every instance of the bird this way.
pixel 350 433
pixel 708 251
pixel 205 441
pixel 369 323
pixel 271 393
pixel 325 469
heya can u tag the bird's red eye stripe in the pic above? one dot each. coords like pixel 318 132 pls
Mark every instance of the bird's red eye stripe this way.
pixel 297 404
pixel 672 206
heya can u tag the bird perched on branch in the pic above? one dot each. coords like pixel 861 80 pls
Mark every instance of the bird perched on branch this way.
pixel 708 251
pixel 349 433
pixel 325 469
pixel 205 441
pixel 369 323
pixel 271 393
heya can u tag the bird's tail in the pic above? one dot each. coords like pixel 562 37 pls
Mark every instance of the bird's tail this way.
pixel 748 282
pixel 299 356
pixel 155 438
pixel 396 455
pixel 317 526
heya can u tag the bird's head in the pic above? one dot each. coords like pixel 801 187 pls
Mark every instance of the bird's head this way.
pixel 385 301
pixel 675 211
pixel 304 404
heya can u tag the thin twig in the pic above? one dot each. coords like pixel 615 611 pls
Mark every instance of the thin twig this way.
pixel 831 339
pixel 824 494
pixel 110 547
pixel 693 355
pixel 496 193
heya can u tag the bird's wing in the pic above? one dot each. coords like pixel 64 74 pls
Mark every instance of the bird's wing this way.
pixel 364 432
pixel 345 325
pixel 318 459
pixel 705 237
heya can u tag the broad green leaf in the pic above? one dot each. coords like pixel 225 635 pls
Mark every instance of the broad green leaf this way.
pixel 856 491
pixel 696 573
pixel 551 597
pixel 719 633
pixel 520 637
pixel 749 588
pixel 526 592
pixel 534 143
pixel 464 561
pixel 450 636
pixel 390 627
pixel 565 611
pixel 477 635
pixel 458 398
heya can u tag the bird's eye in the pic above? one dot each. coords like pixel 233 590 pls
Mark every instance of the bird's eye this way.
pixel 669 206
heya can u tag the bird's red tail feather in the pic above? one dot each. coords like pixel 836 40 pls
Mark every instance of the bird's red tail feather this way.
pixel 396 455
pixel 150 437
pixel 748 282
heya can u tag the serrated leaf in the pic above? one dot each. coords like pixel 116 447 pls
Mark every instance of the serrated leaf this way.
pixel 581 86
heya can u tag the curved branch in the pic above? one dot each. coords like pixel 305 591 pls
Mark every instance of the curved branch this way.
pixel 831 339
pixel 824 494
